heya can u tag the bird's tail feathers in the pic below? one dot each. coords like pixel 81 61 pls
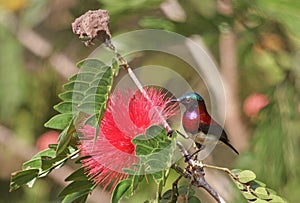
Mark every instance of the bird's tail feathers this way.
pixel 226 142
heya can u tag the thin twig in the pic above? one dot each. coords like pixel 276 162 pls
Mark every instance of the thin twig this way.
pixel 220 168
pixel 136 81
pixel 195 172
pixel 201 182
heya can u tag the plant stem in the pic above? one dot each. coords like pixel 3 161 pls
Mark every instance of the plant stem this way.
pixel 136 81
pixel 220 168
pixel 195 172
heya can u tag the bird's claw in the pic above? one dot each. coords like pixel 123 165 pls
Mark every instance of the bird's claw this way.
pixel 187 157
pixel 183 135
pixel 170 132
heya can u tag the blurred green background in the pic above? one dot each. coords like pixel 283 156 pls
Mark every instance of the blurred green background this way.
pixel 255 43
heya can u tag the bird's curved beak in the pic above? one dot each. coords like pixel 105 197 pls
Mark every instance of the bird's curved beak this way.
pixel 173 100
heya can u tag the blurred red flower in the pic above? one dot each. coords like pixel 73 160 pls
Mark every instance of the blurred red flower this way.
pixel 254 103
pixel 127 115
pixel 47 138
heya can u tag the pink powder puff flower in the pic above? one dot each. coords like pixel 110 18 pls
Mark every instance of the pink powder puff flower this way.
pixel 254 103
pixel 127 115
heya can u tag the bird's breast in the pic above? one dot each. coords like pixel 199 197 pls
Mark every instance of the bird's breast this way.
pixel 191 121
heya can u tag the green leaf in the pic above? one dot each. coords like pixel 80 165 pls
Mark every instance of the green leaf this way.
pixel 23 177
pixel 101 81
pixel 52 146
pixel 65 138
pixel 90 63
pixel 236 172
pixel 70 86
pixel 270 191
pixel 47 160
pixel 48 163
pixel 86 93
pixel 276 199
pixel 43 162
pixel 84 76
pixel 257 183
pixel 32 164
pixel 90 107
pixel 76 197
pixel 158 176
pixel 154 132
pixel 92 120
pixel 77 186
pixel 77 175
pixel 155 152
pixel 246 176
pixel 194 199
pixel 97 132
pixel 35 162
pixel 72 96
pixel 158 23
pixel 64 107
pixel 115 66
pixel 96 98
pixel 136 180
pixel 91 85
pixel 154 140
pixel 261 193
pixel 60 121
pixel 248 195
pixel 79 160
pixel 102 90
pixel 78 85
pixel 167 194
pixel 47 152
pixel 239 185
pixel 260 201
pixel 185 189
pixel 154 147
pixel 120 190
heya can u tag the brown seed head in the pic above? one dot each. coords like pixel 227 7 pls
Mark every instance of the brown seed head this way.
pixel 91 25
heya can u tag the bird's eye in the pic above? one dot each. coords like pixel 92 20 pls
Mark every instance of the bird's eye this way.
pixel 188 100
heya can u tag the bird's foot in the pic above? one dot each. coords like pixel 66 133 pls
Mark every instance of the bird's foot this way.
pixel 199 163
pixel 170 133
pixel 183 135
pixel 188 157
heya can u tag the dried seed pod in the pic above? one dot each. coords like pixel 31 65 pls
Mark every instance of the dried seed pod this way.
pixel 91 25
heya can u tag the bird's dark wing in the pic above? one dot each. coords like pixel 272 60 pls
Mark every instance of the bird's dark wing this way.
pixel 226 141
pixel 216 130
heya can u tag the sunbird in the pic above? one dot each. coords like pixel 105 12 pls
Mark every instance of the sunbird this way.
pixel 198 124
